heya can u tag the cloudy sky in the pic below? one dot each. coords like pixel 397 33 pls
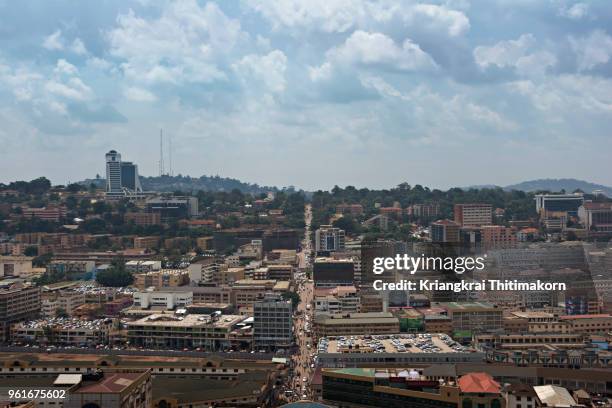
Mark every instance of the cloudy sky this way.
pixel 310 93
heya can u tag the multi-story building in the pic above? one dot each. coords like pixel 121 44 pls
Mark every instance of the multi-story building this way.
pixel 164 278
pixel 129 177
pixel 146 242
pixel 70 269
pixel 142 219
pixel 393 350
pixel 474 317
pixel 558 203
pixel 497 236
pixel 142 266
pixel 113 175
pixel 473 215
pixel 596 218
pixel 341 299
pixel 282 272
pixel 589 323
pixel 329 239
pixel 15 266
pixel 400 388
pixel 17 303
pixel 61 301
pixel 67 332
pixel 352 324
pixel 173 208
pixel 273 323
pixel 329 272
pixel 210 332
pixel 429 210
pixel 45 213
pixel 352 209
pixel 445 231
pixel 162 299
pixel 112 389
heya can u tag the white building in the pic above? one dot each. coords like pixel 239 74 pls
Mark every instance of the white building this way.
pixel 162 299
pixel 328 238
pixel 113 174
pixel 142 266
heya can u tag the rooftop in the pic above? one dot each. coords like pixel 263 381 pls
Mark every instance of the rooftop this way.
pixel 191 320
pixel 478 383
pixel 393 343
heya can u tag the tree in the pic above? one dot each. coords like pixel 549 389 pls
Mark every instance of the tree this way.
pixel 30 251
pixel 59 312
pixel 116 275
pixel 294 297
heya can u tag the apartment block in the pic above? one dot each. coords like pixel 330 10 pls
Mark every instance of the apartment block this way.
pixel 473 215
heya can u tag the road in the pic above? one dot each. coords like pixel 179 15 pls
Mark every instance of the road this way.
pixel 303 359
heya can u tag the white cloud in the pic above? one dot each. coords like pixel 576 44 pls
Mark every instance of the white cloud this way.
pixel 343 15
pixel 438 17
pixel 374 49
pixel 99 63
pixel 567 94
pixel 64 67
pixel 327 15
pixel 78 47
pixel 577 11
pixel 518 54
pixel 320 73
pixel 73 89
pixel 139 94
pixel 183 45
pixel 592 50
pixel 270 69
pixel 54 41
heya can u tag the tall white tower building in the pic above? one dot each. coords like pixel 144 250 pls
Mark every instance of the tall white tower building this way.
pixel 113 174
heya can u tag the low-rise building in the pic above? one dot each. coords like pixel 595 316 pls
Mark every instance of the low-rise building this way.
pixel 15 266
pixel 162 299
pixel 210 332
pixel 352 324
pixel 62 331
pixel 65 301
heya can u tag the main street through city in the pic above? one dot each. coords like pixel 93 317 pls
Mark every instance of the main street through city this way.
pixel 303 361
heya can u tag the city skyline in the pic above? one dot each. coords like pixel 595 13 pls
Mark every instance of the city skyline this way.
pixel 429 93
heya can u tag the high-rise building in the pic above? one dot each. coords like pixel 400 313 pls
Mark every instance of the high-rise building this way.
pixel 329 239
pixel 121 177
pixel 473 215
pixel 129 177
pixel 273 322
pixel 113 174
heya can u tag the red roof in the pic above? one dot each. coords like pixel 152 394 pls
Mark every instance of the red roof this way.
pixel 477 383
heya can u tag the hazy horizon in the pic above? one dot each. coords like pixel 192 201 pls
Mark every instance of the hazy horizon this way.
pixel 442 93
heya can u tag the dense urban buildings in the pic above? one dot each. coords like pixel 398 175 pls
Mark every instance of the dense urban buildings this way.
pixel 177 283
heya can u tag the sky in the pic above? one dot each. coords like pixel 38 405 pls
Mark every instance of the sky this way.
pixel 309 93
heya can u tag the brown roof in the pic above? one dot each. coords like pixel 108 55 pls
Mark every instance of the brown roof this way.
pixel 110 383
pixel 475 383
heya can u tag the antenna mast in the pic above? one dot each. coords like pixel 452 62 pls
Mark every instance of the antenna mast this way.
pixel 170 155
pixel 161 153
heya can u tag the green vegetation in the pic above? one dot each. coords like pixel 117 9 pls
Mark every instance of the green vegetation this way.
pixel 116 275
